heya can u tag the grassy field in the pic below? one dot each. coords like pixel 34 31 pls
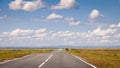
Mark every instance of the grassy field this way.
pixel 6 54
pixel 102 58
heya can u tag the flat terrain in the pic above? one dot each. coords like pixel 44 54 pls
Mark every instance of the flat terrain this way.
pixel 102 58
pixel 54 59
pixel 6 54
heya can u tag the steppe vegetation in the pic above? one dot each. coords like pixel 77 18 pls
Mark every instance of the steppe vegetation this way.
pixel 6 54
pixel 101 58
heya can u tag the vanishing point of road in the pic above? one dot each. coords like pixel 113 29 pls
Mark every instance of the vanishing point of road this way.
pixel 55 59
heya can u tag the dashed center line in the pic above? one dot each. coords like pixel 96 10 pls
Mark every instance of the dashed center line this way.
pixel 45 61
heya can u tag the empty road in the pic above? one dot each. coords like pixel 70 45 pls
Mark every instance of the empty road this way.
pixel 56 59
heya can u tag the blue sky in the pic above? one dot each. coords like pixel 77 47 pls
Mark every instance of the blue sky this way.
pixel 72 21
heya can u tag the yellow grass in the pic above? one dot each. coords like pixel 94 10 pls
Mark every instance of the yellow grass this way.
pixel 102 58
pixel 6 54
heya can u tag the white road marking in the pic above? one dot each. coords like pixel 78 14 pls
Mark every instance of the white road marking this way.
pixel 84 61
pixel 45 61
pixel 6 61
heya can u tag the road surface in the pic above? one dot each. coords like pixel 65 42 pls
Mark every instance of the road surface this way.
pixel 56 59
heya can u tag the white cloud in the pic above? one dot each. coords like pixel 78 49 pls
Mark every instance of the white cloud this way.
pixel 16 5
pixel 98 36
pixel 18 32
pixel 74 23
pixel 40 37
pixel 54 16
pixel 95 14
pixel 65 4
pixel 40 30
pixel 118 35
pixel 58 18
pixel 99 31
pixel 62 34
pixel 71 21
pixel 115 26
pixel 108 32
pixel 37 4
pixel 26 5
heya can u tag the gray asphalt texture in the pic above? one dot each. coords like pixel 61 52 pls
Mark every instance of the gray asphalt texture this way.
pixel 60 59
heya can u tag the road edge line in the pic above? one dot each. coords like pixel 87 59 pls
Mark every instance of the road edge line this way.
pixel 6 61
pixel 45 61
pixel 84 61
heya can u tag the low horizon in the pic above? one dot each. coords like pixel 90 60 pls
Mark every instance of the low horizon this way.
pixel 63 46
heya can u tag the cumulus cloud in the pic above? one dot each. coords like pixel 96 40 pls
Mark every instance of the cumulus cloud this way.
pixel 54 16
pixel 98 36
pixel 69 20
pixel 115 26
pixel 65 4
pixel 74 23
pixel 95 14
pixel 18 32
pixel 58 18
pixel 26 5
pixel 110 31
pixel 40 30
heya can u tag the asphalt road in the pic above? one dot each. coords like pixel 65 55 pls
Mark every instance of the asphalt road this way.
pixel 56 59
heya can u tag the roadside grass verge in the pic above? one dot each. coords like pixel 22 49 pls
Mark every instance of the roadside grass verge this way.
pixel 101 58
pixel 6 54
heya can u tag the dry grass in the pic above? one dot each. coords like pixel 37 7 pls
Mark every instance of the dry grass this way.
pixel 102 58
pixel 6 54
